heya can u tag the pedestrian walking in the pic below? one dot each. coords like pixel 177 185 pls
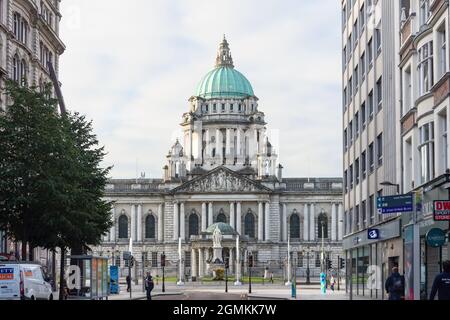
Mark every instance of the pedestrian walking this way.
pixel 271 277
pixel 332 283
pixel 395 285
pixel 441 284
pixel 149 285
pixel 128 283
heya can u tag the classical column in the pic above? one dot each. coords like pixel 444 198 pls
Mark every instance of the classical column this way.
pixel 333 222
pixel 232 216
pixel 231 262
pixel 194 263
pixel 218 144
pixel 210 214
pixel 175 221
pixel 256 141
pixel 238 142
pixel 182 222
pixel 208 144
pixel 267 221
pixel 260 222
pixel 284 223
pixel 239 218
pixel 340 222
pixel 312 224
pixel 160 223
pixel 305 223
pixel 133 222
pixel 204 222
pixel 139 222
pixel 201 263
pixel 228 143
pixel 189 145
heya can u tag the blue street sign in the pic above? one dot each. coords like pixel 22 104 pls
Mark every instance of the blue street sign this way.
pixel 373 234
pixel 395 204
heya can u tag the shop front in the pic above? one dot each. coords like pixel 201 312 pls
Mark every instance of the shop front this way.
pixel 369 260
pixel 434 241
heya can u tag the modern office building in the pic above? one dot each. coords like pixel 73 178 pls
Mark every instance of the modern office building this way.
pixel 370 97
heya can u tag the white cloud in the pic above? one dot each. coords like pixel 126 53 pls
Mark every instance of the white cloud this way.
pixel 131 66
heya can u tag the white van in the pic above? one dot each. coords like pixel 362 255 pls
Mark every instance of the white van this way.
pixel 24 281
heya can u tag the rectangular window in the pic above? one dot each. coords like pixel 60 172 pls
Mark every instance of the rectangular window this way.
pixel 344 97
pixel 345 140
pixel 187 259
pixel 356 125
pixel 154 259
pixel 223 107
pixel 350 132
pixel 350 170
pixel 380 149
pixel 442 67
pixel 350 221
pixel 407 91
pixel 370 102
pixel 363 116
pixel 380 94
pixel 344 16
pixel 363 214
pixel 362 18
pixel 425 68
pixel 299 260
pixel 372 209
pixel 355 80
pixel 344 57
pixel 349 48
pixel 363 67
pixel 363 165
pixel 378 40
pixel 345 181
pixel 426 151
pixel 424 11
pixel 371 158
pixel 370 53
pixel 350 89
pixel 355 34
pixel 357 220
pixel 357 171
pixel 444 142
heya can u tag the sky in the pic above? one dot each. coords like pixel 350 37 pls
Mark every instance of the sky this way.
pixel 131 66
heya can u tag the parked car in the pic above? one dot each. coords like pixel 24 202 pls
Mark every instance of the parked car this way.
pixel 24 281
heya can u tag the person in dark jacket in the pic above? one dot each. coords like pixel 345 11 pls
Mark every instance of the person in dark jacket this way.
pixel 128 283
pixel 149 285
pixel 441 284
pixel 395 285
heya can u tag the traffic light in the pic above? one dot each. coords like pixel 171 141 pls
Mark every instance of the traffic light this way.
pixel 250 261
pixel 131 261
pixel 163 260
pixel 227 263
pixel 329 264
pixel 341 263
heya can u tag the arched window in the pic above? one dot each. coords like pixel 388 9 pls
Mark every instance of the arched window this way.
pixel 150 227
pixel 249 225
pixel 23 72
pixel 123 227
pixel 193 225
pixel 322 221
pixel 221 217
pixel 294 226
pixel 16 68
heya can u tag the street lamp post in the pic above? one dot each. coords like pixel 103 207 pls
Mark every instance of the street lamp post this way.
pixel 308 271
pixel 250 265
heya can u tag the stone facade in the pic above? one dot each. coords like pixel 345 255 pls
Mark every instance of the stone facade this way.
pixel 226 171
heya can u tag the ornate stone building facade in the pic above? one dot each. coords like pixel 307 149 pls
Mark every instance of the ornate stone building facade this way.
pixel 29 38
pixel 225 171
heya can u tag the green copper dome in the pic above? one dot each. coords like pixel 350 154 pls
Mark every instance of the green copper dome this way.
pixel 224 81
pixel 224 228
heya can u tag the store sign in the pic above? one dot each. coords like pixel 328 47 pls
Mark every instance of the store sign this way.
pixel 373 234
pixel 441 210
pixel 435 238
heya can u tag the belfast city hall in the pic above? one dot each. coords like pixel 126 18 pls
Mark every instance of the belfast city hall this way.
pixel 224 172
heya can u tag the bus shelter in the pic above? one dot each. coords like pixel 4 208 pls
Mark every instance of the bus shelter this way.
pixel 87 277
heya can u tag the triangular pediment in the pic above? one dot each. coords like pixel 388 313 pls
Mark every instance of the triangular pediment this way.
pixel 221 180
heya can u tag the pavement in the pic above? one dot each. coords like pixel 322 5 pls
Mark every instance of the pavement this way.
pixel 213 292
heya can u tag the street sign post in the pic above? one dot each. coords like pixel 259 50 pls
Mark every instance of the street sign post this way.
pixel 395 204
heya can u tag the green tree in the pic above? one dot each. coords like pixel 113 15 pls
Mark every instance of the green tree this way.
pixel 52 181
